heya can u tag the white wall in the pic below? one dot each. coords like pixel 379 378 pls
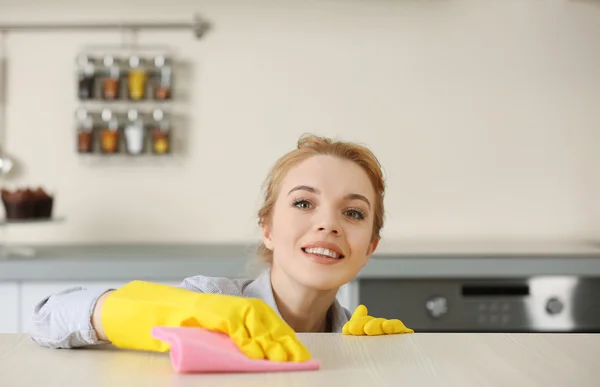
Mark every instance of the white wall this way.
pixel 485 114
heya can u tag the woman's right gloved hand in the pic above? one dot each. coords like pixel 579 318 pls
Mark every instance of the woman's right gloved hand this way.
pixel 130 313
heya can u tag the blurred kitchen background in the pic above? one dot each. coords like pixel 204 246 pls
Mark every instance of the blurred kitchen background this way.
pixel 485 115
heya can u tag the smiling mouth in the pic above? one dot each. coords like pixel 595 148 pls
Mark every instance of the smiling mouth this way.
pixel 323 252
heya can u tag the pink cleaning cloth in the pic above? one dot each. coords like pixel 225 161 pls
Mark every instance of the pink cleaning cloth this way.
pixel 201 350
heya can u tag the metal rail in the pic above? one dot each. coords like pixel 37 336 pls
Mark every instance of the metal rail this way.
pixel 198 26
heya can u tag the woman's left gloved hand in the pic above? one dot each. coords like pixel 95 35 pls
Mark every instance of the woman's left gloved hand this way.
pixel 361 324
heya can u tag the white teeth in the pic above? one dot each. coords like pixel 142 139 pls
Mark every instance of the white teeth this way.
pixel 322 251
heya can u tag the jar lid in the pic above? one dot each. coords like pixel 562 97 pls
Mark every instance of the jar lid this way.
pixel 81 114
pixel 160 61
pixel 83 60
pixel 109 60
pixel 158 114
pixel 132 114
pixel 106 114
pixel 134 61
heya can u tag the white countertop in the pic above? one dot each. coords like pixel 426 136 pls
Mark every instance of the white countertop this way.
pixel 419 359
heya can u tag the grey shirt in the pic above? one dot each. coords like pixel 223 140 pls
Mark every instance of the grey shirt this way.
pixel 63 319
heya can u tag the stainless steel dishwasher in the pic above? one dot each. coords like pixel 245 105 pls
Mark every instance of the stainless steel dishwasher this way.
pixel 535 304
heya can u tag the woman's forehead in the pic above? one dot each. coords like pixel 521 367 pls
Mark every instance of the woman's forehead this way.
pixel 330 175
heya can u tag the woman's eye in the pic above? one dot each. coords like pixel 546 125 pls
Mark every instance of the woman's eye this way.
pixel 355 214
pixel 302 204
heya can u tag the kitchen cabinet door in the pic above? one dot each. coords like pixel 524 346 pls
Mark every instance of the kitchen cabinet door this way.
pixel 9 302
pixel 34 292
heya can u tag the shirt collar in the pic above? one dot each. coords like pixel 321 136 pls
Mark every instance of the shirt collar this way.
pixel 261 288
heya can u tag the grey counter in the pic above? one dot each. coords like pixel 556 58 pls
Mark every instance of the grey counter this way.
pixel 177 261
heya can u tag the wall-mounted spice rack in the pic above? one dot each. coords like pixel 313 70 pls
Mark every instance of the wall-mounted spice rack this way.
pixel 134 78
pixel 125 94
pixel 132 132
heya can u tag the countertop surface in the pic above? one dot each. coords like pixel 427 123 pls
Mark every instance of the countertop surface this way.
pixel 432 259
pixel 420 359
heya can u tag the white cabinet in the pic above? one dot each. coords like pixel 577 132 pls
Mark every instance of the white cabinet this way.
pixel 9 304
pixel 33 292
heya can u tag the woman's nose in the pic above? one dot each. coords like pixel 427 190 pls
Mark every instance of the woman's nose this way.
pixel 329 224
pixel 332 230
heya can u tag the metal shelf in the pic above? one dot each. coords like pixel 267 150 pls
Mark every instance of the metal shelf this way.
pixel 4 222
pixel 7 251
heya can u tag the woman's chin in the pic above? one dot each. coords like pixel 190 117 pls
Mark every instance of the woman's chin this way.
pixel 323 280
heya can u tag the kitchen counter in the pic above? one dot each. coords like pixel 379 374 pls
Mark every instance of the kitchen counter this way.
pixel 418 359
pixel 392 260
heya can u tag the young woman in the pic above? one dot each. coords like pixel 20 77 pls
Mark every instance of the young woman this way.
pixel 321 220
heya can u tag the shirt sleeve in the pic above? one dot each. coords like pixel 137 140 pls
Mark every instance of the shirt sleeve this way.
pixel 63 319
pixel 214 285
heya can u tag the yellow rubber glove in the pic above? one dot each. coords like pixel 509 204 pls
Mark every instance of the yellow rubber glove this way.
pixel 361 324
pixel 130 313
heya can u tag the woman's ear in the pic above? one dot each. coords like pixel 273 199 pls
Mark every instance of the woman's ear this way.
pixel 266 235
pixel 373 246
pixel 370 250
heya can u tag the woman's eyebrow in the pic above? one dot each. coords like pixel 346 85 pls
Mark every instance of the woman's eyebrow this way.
pixel 305 188
pixel 358 197
pixel 352 196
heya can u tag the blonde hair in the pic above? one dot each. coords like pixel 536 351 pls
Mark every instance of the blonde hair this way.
pixel 312 145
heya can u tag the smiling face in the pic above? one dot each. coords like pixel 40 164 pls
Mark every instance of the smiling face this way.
pixel 321 229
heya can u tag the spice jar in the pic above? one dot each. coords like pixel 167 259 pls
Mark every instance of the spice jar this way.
pixel 85 140
pixel 86 73
pixel 134 133
pixel 112 84
pixel 161 141
pixel 109 135
pixel 137 79
pixel 163 87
